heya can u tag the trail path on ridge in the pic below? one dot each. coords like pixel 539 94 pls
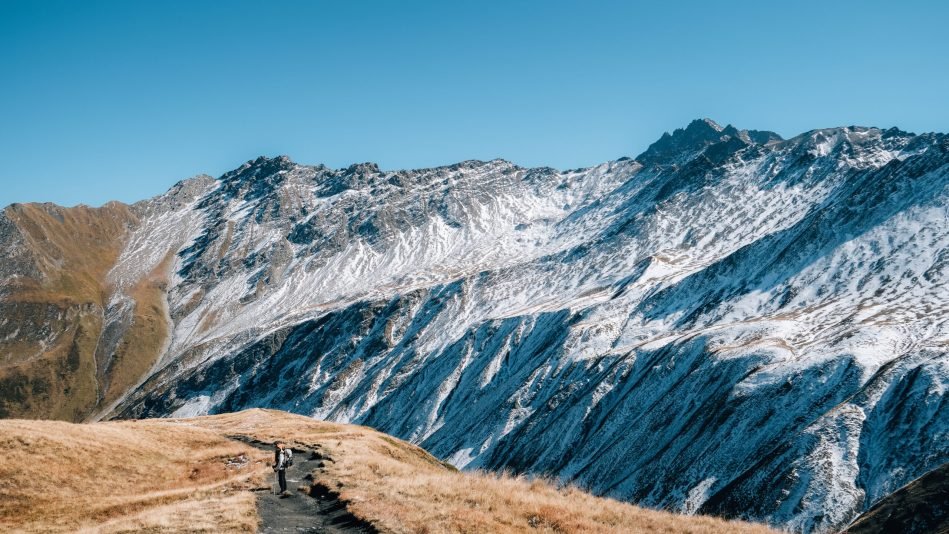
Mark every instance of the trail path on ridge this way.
pixel 300 512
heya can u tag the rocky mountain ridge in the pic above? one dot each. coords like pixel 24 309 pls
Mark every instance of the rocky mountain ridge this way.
pixel 730 323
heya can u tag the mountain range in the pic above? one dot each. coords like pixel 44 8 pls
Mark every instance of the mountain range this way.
pixel 730 323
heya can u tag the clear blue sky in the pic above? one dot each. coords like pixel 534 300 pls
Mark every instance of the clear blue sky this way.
pixel 119 100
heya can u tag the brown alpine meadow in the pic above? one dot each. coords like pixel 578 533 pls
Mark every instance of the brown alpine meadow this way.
pixel 200 475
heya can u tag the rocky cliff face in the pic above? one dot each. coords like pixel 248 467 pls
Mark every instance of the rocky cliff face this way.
pixel 730 323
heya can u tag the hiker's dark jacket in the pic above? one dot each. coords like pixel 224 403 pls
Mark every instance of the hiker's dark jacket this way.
pixel 279 460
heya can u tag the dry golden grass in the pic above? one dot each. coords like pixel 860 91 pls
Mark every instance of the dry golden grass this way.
pixel 73 250
pixel 400 488
pixel 158 475
pixel 173 476
pixel 233 512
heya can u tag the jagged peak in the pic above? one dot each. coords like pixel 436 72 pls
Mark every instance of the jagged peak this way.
pixel 705 124
pixel 367 167
pixel 255 169
pixel 670 147
pixel 282 159
pixel 683 143
pixel 261 163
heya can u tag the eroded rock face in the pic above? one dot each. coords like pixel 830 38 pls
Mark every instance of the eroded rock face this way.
pixel 731 323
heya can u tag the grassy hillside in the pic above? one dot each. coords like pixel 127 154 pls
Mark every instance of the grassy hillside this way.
pixel 54 294
pixel 124 477
pixel 196 475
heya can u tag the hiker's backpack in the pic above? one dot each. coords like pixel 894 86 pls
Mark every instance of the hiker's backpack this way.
pixel 288 457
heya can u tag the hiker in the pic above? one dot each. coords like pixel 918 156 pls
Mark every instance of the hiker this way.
pixel 281 460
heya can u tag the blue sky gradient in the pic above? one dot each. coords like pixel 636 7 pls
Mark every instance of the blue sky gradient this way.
pixel 119 100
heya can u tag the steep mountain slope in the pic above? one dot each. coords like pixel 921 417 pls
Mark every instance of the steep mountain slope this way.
pixel 731 323
pixel 922 506
pixel 73 338
pixel 54 294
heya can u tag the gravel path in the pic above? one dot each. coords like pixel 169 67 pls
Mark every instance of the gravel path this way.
pixel 300 512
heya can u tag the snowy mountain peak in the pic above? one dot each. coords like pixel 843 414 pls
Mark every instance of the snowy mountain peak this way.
pixel 362 168
pixel 684 143
pixel 698 126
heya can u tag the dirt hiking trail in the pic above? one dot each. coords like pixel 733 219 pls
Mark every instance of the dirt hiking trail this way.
pixel 301 512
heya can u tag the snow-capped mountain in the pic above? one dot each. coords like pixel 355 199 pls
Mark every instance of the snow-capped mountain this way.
pixel 730 323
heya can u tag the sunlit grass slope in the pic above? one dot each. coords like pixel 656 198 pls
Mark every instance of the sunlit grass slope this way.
pixel 399 487
pixel 54 296
pixel 124 477
pixel 196 475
